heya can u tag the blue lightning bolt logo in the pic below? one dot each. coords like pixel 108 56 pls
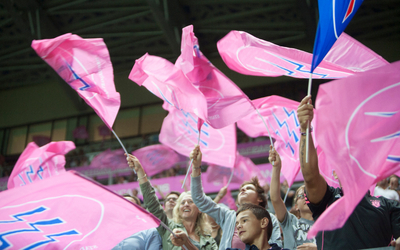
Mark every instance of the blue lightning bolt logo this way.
pixel 289 132
pixel 187 124
pixel 28 173
pixel 77 77
pixel 33 227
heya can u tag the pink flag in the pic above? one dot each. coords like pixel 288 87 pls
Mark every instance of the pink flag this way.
pixel 85 65
pixel 193 84
pixel 115 159
pixel 37 163
pixel 68 211
pixel 179 132
pixel 280 115
pixel 358 126
pixel 226 102
pixel 244 170
pixel 228 199
pixel 249 55
pixel 156 158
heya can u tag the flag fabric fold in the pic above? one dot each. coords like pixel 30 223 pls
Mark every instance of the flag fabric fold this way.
pixel 334 16
pixel 37 163
pixel 280 115
pixel 193 84
pixel 358 126
pixel 156 158
pixel 179 131
pixel 85 65
pixel 249 55
pixel 68 211
pixel 113 159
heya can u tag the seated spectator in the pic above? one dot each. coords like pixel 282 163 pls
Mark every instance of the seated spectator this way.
pixel 250 192
pixel 381 189
pixel 186 216
pixel 294 229
pixel 145 240
pixel 254 226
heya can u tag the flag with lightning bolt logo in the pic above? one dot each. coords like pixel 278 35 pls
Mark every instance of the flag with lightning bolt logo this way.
pixel 37 163
pixel 85 65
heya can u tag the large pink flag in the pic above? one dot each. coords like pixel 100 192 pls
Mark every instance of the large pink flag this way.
pixel 249 55
pixel 179 131
pixel 68 211
pixel 358 126
pixel 85 65
pixel 156 158
pixel 226 102
pixel 280 115
pixel 37 163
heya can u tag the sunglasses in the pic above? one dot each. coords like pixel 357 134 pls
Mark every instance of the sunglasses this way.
pixel 301 196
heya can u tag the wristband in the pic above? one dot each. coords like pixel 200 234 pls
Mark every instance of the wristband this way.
pixel 142 177
pixel 305 133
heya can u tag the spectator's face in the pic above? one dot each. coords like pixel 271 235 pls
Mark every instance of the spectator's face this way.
pixel 134 192
pixel 248 226
pixel 248 194
pixel 170 201
pixel 394 183
pixel 301 202
pixel 187 209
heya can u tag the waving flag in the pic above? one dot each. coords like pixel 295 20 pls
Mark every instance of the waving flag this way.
pixel 334 16
pixel 115 159
pixel 179 132
pixel 249 55
pixel 226 102
pixel 68 212
pixel 193 84
pixel 280 115
pixel 85 65
pixel 37 163
pixel 358 128
pixel 156 158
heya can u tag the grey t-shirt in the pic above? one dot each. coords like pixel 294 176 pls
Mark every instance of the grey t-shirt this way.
pixel 295 231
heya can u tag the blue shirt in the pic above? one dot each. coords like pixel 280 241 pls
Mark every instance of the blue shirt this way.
pixel 144 240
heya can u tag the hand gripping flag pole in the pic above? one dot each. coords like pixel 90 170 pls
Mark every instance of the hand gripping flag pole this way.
pixel 308 122
pixel 169 230
pixel 190 165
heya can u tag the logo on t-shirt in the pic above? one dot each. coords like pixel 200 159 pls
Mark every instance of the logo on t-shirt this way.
pixel 376 203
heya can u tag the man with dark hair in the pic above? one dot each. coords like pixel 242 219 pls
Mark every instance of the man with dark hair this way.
pixel 132 199
pixel 250 192
pixel 254 226
pixel 170 202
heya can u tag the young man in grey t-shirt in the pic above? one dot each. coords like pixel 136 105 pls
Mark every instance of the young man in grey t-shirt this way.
pixel 294 229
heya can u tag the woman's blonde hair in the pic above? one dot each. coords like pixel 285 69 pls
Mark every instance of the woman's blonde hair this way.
pixel 202 227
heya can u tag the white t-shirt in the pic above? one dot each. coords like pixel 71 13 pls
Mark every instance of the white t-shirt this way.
pixel 387 193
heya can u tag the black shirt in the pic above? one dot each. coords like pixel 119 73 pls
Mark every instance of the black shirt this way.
pixel 372 224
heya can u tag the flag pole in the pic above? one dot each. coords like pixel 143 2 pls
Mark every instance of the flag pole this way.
pixel 230 178
pixel 169 229
pixel 308 122
pixel 287 192
pixel 265 124
pixel 126 152
pixel 190 165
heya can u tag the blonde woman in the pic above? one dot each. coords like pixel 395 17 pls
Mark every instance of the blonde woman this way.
pixel 189 224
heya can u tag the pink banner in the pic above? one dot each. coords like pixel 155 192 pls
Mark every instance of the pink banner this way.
pixel 249 55
pixel 362 142
pixel 115 159
pixel 36 163
pixel 85 65
pixel 156 158
pixel 68 211
pixel 179 132
pixel 280 115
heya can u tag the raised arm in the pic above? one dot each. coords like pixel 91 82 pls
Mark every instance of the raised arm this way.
pixel 203 202
pixel 149 195
pixel 314 182
pixel 275 194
